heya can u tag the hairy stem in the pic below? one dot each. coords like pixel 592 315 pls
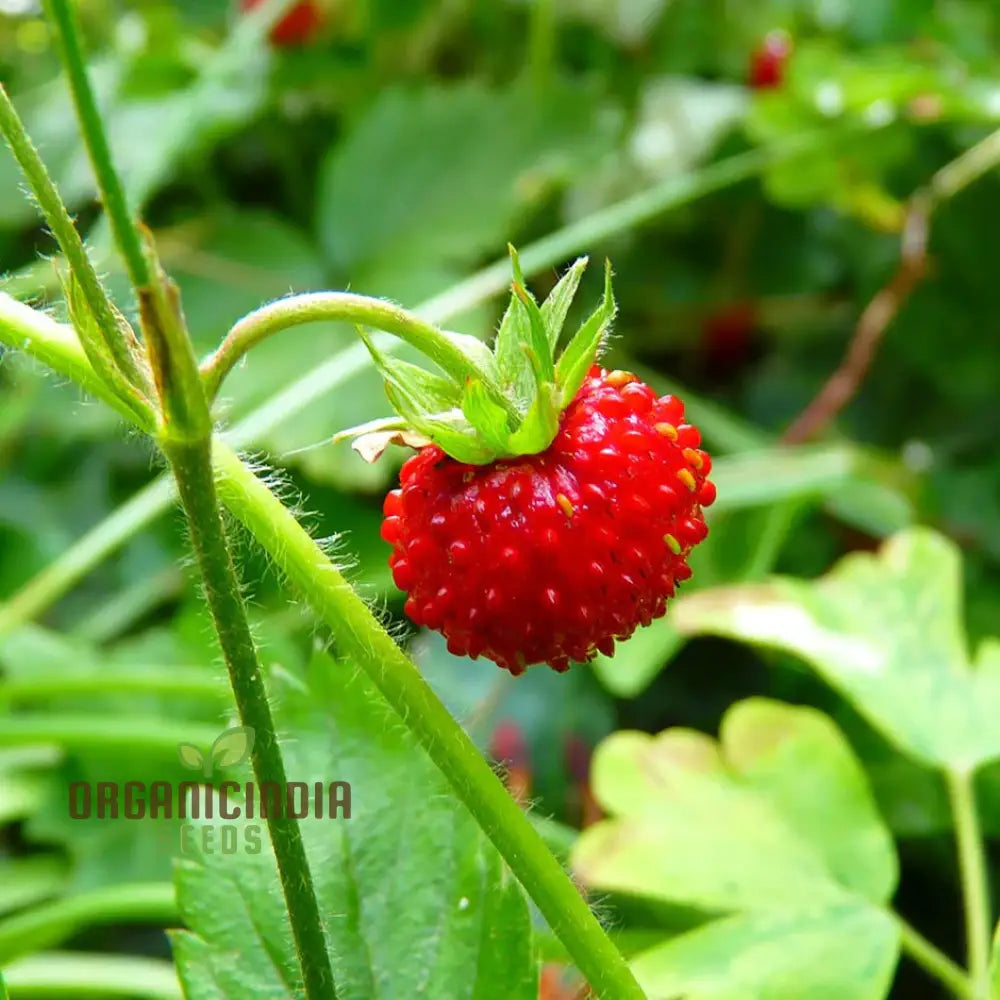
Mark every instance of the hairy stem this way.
pixel 63 17
pixel 975 880
pixel 58 347
pixel 363 639
pixel 114 360
pixel 191 463
pixel 332 307
pixel 934 961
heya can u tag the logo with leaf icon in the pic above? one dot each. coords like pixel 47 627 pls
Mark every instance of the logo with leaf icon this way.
pixel 229 749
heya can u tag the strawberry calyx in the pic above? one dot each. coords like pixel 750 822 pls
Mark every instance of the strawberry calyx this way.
pixel 487 404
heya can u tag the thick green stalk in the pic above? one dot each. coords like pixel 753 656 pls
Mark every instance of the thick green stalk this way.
pixel 367 644
pixel 185 437
pixel 191 463
pixel 63 17
pixel 975 880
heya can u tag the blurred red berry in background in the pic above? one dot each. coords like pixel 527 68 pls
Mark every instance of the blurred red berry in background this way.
pixel 769 61
pixel 297 27
pixel 727 337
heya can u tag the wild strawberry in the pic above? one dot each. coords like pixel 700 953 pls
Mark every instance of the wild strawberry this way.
pixel 297 27
pixel 769 60
pixel 552 506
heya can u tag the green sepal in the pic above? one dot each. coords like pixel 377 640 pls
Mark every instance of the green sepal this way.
pixel 456 436
pixel 378 426
pixel 501 403
pixel 426 391
pixel 556 307
pixel 538 349
pixel 479 355
pixel 513 366
pixel 486 416
pixel 540 425
pixel 583 350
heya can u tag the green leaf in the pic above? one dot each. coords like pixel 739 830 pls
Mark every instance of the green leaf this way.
pixel 489 419
pixel 775 828
pixel 467 932
pixel 582 351
pixel 457 167
pixel 886 631
pixel 839 952
pixel 786 754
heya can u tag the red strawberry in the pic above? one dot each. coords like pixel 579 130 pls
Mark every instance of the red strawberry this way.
pixel 297 27
pixel 768 61
pixel 551 557
pixel 554 504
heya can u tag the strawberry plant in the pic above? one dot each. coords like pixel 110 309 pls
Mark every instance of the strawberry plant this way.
pixel 261 747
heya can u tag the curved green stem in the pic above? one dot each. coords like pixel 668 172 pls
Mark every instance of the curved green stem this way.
pixel 57 346
pixel 367 644
pixel 63 17
pixel 317 307
pixel 933 961
pixel 49 923
pixel 975 880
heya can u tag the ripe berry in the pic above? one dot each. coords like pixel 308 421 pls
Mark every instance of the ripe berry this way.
pixel 297 27
pixel 552 557
pixel 769 61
